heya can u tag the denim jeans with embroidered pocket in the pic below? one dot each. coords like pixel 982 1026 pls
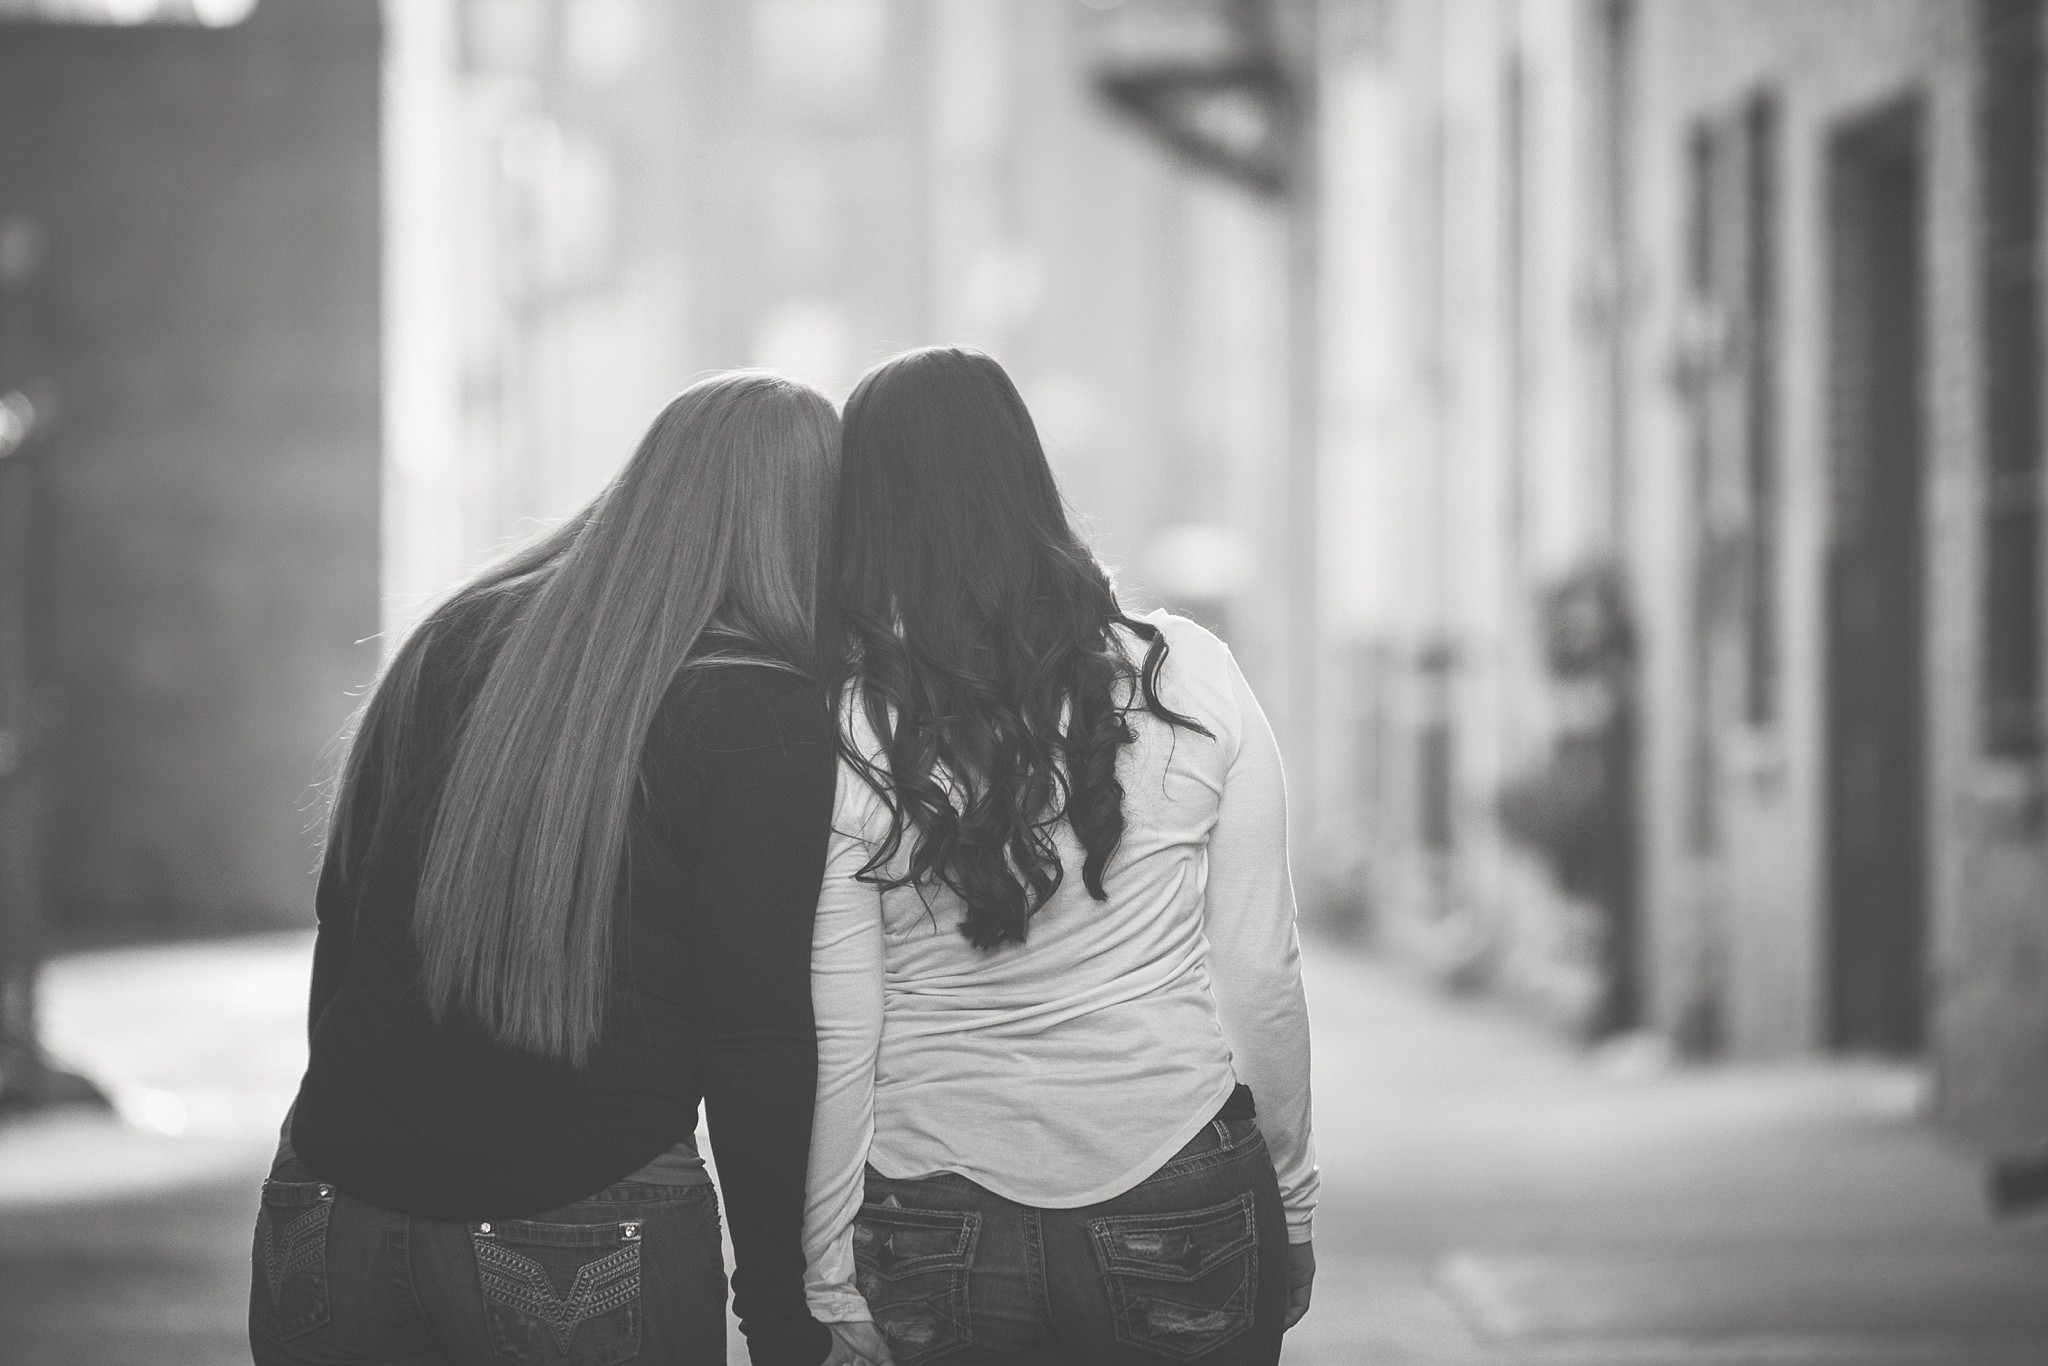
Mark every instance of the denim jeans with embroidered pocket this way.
pixel 560 1294
pixel 1181 1284
pixel 912 1267
pixel 290 1293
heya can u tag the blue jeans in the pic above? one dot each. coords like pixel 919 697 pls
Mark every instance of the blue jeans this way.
pixel 1188 1266
pixel 634 1273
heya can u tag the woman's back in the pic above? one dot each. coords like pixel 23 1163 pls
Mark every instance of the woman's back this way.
pixel 1055 957
pixel 1063 1070
pixel 437 1119
pixel 571 872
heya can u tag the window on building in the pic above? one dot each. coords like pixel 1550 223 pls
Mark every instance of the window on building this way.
pixel 1760 435
pixel 1514 101
pixel 1702 354
pixel 2009 152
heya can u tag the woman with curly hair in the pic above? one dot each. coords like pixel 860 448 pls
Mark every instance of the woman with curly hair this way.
pixel 1063 1102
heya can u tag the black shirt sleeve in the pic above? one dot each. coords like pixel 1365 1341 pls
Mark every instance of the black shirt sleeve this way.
pixel 764 746
pixel 336 914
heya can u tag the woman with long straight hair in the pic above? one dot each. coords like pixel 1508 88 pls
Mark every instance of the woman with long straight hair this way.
pixel 1063 1102
pixel 571 871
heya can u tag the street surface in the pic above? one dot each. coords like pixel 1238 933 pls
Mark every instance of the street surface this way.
pixel 1492 1197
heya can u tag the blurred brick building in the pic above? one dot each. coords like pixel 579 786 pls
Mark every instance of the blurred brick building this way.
pixel 1718 402
pixel 189 463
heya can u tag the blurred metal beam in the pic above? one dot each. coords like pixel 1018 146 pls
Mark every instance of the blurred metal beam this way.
pixel 1206 78
pixel 128 13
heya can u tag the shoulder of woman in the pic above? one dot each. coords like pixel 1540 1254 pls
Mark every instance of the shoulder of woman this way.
pixel 1195 677
pixel 754 702
pixel 456 644
pixel 1192 649
pixel 1180 630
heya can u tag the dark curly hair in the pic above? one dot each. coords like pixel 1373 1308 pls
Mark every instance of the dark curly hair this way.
pixel 978 635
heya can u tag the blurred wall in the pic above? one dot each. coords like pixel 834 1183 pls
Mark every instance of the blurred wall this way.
pixel 1717 322
pixel 194 223
pixel 1846 846
pixel 1467 470
pixel 1743 762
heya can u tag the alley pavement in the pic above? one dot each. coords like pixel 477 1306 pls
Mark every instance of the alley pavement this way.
pixel 1492 1195
pixel 124 1235
pixel 1495 1197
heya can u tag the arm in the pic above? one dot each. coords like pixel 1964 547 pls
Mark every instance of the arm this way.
pixel 336 913
pixel 334 902
pixel 766 810
pixel 1255 955
pixel 846 994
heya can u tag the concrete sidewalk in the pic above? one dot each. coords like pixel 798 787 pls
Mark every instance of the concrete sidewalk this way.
pixel 124 1237
pixel 1492 1197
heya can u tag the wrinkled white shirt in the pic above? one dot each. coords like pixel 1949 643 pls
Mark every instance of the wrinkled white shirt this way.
pixel 1065 1070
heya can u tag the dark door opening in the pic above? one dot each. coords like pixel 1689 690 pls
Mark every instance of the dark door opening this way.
pixel 1876 790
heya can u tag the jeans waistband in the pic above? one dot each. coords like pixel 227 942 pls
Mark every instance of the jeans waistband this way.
pixel 1239 1106
pixel 679 1166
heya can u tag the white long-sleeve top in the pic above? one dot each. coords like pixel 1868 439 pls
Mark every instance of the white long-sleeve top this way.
pixel 1065 1070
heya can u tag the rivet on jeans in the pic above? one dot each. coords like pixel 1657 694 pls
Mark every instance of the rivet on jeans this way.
pixel 629 1230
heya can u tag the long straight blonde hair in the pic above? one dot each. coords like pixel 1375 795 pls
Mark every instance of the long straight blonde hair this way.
pixel 715 526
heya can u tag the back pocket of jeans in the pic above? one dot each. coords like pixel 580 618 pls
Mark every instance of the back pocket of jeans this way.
pixel 1181 1284
pixel 557 1294
pixel 289 1293
pixel 911 1266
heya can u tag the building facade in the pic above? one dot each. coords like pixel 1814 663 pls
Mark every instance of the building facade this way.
pixel 1719 340
pixel 189 465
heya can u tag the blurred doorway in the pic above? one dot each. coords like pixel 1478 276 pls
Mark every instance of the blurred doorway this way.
pixel 1876 722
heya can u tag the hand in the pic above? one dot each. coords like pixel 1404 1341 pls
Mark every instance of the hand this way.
pixel 1301 1279
pixel 857 1344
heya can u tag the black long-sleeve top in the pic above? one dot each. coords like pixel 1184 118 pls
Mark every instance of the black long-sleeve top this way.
pixel 710 1000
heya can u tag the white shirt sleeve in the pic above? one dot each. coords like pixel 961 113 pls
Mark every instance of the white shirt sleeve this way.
pixel 846 997
pixel 1255 953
